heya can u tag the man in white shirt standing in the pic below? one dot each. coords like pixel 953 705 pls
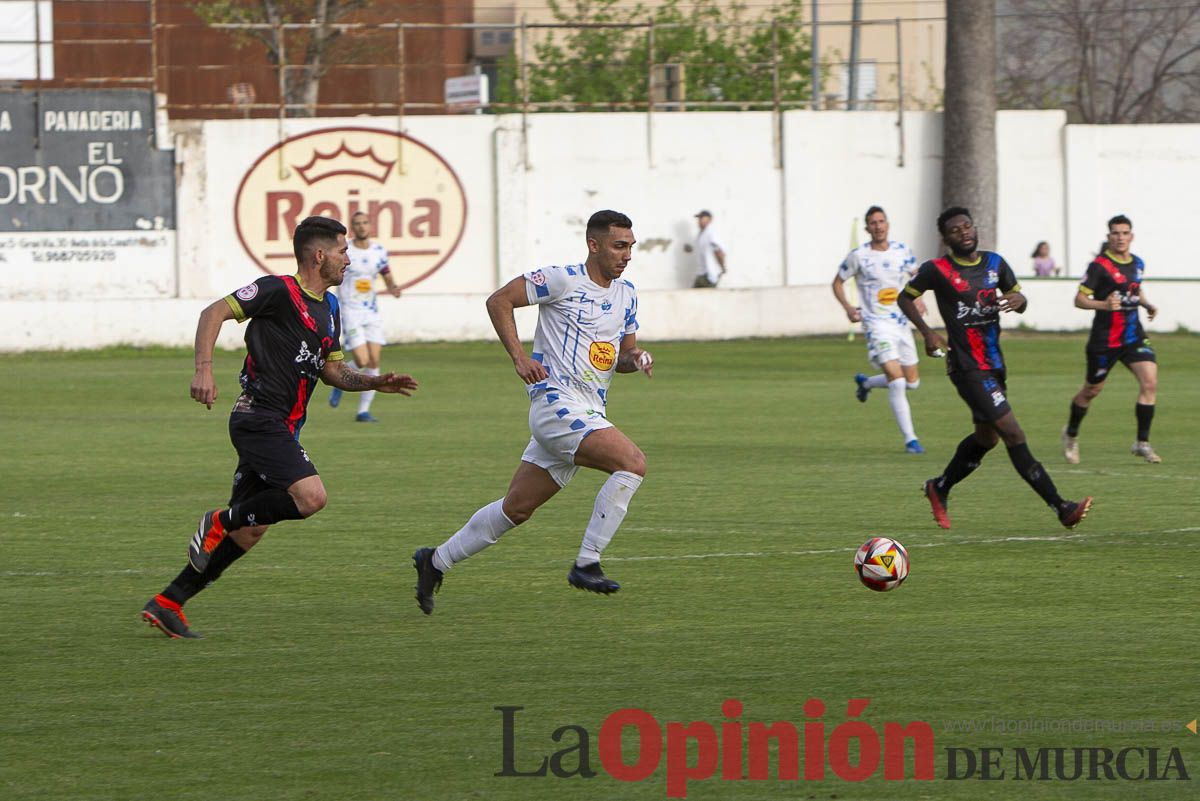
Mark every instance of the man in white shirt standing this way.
pixel 586 331
pixel 881 268
pixel 362 326
pixel 710 252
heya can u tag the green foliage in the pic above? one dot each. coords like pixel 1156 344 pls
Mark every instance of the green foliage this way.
pixel 723 53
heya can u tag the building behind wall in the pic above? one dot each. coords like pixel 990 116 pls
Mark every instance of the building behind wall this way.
pixel 210 73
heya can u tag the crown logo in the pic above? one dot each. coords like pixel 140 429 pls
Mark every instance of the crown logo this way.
pixel 345 161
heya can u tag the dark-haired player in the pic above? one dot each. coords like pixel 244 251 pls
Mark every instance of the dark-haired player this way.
pixel 586 331
pixel 881 267
pixel 1112 287
pixel 292 340
pixel 972 287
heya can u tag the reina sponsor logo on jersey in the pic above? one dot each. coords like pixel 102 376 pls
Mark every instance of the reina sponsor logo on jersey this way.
pixel 888 295
pixel 415 202
pixel 602 355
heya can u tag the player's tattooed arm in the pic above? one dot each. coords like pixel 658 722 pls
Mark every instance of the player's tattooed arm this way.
pixel 337 374
pixel 631 359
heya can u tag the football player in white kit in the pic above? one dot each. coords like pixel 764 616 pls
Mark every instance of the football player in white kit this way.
pixel 362 327
pixel 586 331
pixel 881 268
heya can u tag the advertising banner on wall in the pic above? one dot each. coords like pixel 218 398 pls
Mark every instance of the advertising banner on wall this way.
pixel 87 201
pixel 414 201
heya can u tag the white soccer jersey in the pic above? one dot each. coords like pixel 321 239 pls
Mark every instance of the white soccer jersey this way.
pixel 880 275
pixel 579 330
pixel 707 246
pixel 357 292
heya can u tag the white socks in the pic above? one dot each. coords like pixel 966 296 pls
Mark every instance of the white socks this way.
pixel 876 381
pixel 488 524
pixel 364 399
pixel 899 402
pixel 612 502
pixel 482 530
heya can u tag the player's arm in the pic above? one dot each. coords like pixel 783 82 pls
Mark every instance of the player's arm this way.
pixel 1151 309
pixel 720 254
pixel 338 374
pixel 204 386
pixel 632 358
pixel 911 270
pixel 853 314
pixel 1084 300
pixel 500 305
pixel 1012 299
pixel 907 301
pixel 1085 297
pixel 392 287
pixel 935 343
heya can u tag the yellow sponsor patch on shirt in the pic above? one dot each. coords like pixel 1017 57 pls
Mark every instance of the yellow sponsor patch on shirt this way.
pixel 362 285
pixel 602 355
pixel 888 296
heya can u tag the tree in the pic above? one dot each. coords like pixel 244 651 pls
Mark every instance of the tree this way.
pixel 714 57
pixel 1104 61
pixel 303 85
pixel 969 119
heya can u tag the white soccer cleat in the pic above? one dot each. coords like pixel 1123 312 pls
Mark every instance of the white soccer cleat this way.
pixel 1070 446
pixel 1143 449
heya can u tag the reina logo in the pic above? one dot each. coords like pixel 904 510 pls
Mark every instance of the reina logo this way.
pixel 415 202
pixel 602 355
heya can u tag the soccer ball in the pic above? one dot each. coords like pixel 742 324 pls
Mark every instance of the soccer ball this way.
pixel 881 564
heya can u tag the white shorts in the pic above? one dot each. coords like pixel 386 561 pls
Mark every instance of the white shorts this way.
pixel 559 421
pixel 360 327
pixel 887 342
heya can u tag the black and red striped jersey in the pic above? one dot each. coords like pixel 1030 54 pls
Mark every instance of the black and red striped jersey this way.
pixel 292 333
pixel 968 296
pixel 1104 276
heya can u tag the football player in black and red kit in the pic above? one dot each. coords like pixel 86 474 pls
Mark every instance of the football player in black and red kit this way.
pixel 972 287
pixel 1112 288
pixel 293 339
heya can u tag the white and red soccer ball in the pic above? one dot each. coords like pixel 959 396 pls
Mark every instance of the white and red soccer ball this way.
pixel 881 564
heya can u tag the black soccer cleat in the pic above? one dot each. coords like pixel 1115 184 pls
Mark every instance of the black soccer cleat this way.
pixel 1072 514
pixel 429 578
pixel 592 579
pixel 168 618
pixel 863 390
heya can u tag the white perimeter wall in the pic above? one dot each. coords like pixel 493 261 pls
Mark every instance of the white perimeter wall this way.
pixel 785 229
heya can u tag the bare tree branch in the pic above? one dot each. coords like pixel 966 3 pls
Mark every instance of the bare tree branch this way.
pixel 1123 60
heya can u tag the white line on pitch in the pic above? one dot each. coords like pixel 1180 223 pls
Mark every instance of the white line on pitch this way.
pixel 660 558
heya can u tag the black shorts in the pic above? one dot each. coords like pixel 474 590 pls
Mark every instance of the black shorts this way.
pixel 984 392
pixel 269 457
pixel 1101 361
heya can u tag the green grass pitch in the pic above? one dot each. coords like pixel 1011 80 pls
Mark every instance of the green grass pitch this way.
pixel 319 678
